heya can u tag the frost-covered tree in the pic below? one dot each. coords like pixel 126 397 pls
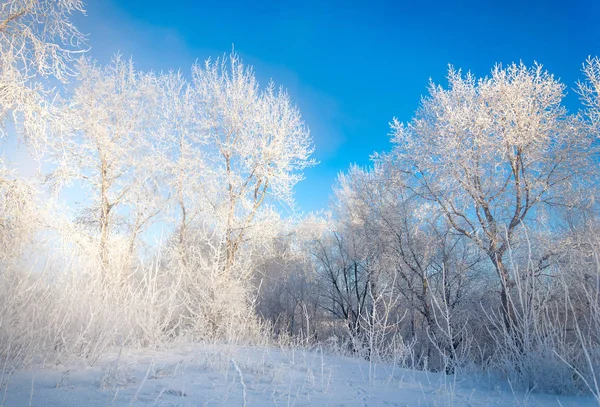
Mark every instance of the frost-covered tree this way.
pixel 226 152
pixel 387 240
pixel 18 211
pixel 37 40
pixel 112 118
pixel 589 90
pixel 182 145
pixel 491 154
pixel 257 146
pixel 410 237
pixel 37 44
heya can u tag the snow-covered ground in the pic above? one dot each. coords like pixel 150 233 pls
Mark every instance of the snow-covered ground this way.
pixel 195 375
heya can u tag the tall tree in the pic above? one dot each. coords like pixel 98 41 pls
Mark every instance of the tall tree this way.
pixel 112 116
pixel 490 153
pixel 182 149
pixel 37 43
pixel 257 145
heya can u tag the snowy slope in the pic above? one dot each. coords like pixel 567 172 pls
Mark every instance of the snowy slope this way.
pixel 194 375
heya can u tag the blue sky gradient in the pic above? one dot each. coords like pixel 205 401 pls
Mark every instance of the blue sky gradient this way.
pixel 350 66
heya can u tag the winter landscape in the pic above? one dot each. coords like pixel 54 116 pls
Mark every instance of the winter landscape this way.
pixel 168 237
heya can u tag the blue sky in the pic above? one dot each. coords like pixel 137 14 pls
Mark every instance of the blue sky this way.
pixel 350 66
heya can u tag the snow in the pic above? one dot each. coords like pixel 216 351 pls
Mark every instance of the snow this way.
pixel 210 375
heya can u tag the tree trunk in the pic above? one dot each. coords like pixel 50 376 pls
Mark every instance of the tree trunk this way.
pixel 509 314
pixel 104 218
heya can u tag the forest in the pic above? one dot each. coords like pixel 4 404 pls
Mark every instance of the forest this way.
pixel 162 211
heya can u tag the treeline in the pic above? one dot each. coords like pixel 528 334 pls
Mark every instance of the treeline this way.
pixel 472 243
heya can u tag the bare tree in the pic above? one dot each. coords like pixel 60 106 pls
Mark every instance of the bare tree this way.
pixel 344 278
pixel 410 243
pixel 490 154
pixel 286 294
